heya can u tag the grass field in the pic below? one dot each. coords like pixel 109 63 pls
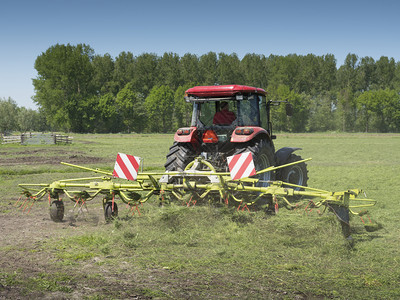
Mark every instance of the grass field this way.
pixel 176 252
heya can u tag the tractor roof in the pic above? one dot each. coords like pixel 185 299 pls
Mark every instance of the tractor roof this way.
pixel 223 91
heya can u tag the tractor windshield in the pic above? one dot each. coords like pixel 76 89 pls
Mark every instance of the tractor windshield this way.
pixel 242 112
pixel 221 113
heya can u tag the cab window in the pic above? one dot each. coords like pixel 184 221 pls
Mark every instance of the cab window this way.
pixel 249 111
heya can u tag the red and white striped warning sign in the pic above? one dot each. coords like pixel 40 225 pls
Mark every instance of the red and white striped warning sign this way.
pixel 126 166
pixel 241 165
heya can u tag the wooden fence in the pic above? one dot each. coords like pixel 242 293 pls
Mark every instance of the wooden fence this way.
pixel 62 139
pixel 11 139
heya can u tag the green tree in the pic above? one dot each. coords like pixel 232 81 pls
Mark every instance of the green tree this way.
pixel 348 75
pixel 63 83
pixel 385 72
pixel 228 69
pixel 146 73
pixel 254 70
pixel 159 105
pixel 322 113
pixel 182 109
pixel 124 70
pixel 169 71
pixel 348 84
pixel 282 122
pixel 367 71
pixel 327 77
pixel 109 119
pixel 103 72
pixel 208 68
pixel 29 120
pixel 379 110
pixel 308 73
pixel 315 74
pixel 190 69
pixel 8 115
pixel 283 70
pixel 397 77
pixel 131 108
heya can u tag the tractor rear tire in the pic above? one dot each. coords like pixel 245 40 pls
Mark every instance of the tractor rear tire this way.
pixel 296 174
pixel 109 213
pixel 263 157
pixel 57 211
pixel 179 156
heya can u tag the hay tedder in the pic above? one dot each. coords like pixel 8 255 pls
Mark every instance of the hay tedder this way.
pixel 225 157
pixel 198 184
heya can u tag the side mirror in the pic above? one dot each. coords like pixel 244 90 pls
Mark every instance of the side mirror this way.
pixel 289 109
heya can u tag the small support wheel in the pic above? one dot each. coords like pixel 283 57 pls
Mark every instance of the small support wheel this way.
pixel 57 211
pixel 110 212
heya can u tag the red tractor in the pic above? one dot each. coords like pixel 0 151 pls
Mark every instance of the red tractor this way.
pixel 232 119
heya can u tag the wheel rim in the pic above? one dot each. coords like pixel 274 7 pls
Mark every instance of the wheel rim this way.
pixel 295 176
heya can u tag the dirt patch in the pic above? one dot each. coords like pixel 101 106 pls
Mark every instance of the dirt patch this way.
pixel 47 157
pixel 26 244
pixel 36 160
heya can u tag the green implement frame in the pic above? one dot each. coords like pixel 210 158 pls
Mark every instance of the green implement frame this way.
pixel 198 183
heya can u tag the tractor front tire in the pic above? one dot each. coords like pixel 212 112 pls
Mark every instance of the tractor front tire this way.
pixel 57 211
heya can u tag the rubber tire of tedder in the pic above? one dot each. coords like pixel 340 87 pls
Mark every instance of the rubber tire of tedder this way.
pixel 57 211
pixel 109 213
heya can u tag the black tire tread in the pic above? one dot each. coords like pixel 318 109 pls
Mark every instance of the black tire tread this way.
pixel 57 211
pixel 108 213
pixel 180 154
pixel 303 166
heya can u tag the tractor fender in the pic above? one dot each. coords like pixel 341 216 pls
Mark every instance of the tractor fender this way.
pixel 187 135
pixel 283 154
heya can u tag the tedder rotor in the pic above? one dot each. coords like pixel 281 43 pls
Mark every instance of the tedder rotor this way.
pixel 199 182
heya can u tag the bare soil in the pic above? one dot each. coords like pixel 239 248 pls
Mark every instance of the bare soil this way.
pixel 27 248
pixel 45 157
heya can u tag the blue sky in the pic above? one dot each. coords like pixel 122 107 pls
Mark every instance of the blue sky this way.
pixel 28 28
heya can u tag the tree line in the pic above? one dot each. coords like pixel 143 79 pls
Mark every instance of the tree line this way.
pixel 14 118
pixel 80 91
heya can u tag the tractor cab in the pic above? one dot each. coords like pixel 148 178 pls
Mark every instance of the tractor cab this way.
pixel 225 114
pixel 242 102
